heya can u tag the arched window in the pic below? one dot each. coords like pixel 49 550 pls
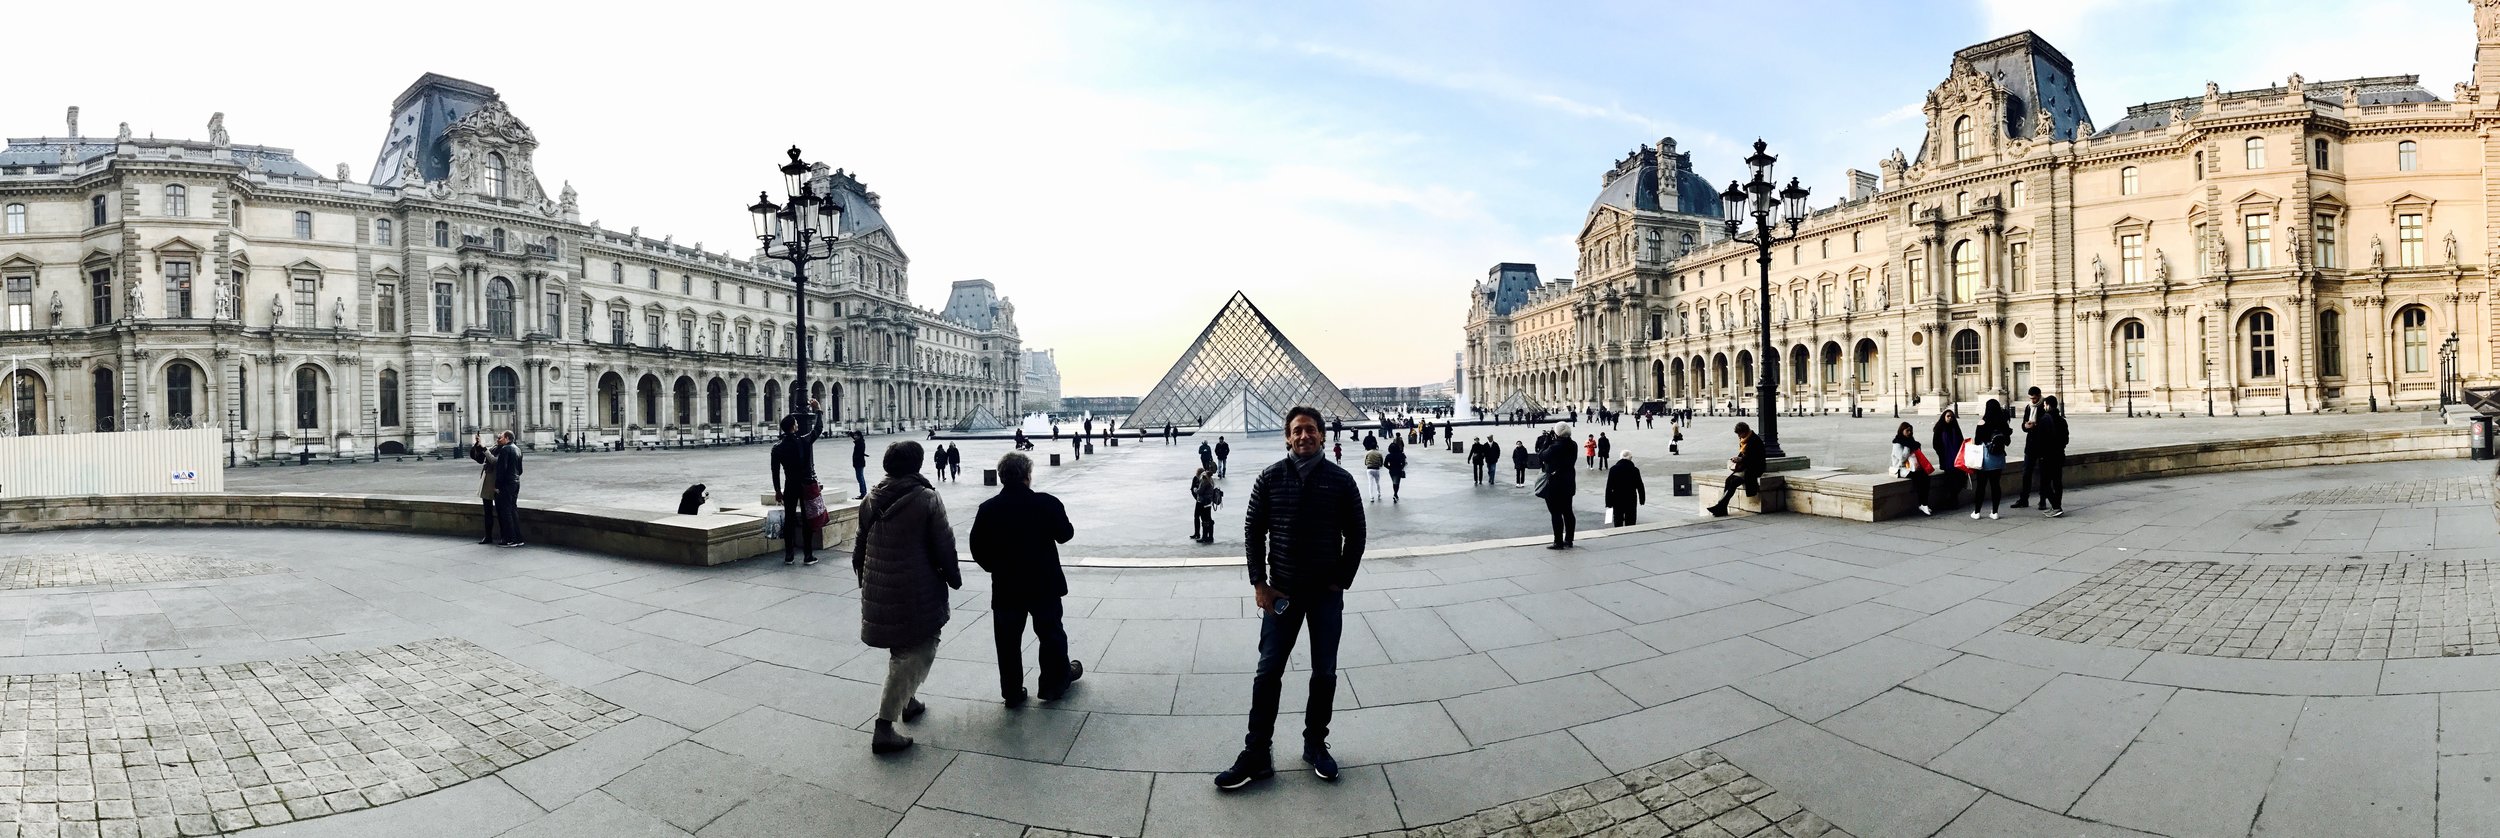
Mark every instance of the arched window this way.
pixel 303 224
pixel 2330 342
pixel 685 401
pixel 2405 156
pixel 2256 148
pixel 2414 325
pixel 2126 181
pixel 1965 271
pixel 22 401
pixel 1962 140
pixel 494 176
pixel 2131 345
pixel 177 395
pixel 2317 153
pixel 388 385
pixel 16 218
pixel 713 396
pixel 442 234
pixel 1831 366
pixel 499 240
pixel 177 200
pixel 746 401
pixel 499 307
pixel 307 397
pixel 503 391
pixel 1966 352
pixel 2261 344
pixel 2017 195
pixel 1865 363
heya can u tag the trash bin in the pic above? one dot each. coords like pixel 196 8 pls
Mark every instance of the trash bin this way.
pixel 1089 448
pixel 1684 485
pixel 1054 459
pixel 989 477
pixel 2480 427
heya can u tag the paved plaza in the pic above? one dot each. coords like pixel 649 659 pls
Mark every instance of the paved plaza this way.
pixel 2122 670
pixel 1133 501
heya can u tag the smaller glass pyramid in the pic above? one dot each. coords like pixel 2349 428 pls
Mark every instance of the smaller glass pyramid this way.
pixel 1239 352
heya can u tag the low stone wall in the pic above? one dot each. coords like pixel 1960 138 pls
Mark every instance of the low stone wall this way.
pixel 1875 497
pixel 705 539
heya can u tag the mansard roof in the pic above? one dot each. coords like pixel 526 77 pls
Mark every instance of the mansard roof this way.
pixel 46 151
pixel 2367 90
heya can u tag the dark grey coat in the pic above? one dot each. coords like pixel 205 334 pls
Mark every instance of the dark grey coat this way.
pixel 905 560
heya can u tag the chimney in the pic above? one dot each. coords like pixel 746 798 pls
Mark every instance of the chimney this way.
pixel 73 122
pixel 1861 184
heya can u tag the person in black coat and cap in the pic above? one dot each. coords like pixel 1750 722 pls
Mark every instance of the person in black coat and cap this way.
pixel 859 461
pixel 1016 537
pixel 1560 484
pixel 1624 490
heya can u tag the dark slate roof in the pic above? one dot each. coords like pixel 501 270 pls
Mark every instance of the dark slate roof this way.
pixel 420 118
pixel 46 151
pixel 1633 185
pixel 1507 286
pixel 974 303
pixel 2370 90
pixel 859 206
pixel 2035 76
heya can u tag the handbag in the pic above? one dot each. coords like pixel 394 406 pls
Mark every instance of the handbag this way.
pixel 1541 484
pixel 772 524
pixel 813 506
pixel 1973 455
pixel 1921 458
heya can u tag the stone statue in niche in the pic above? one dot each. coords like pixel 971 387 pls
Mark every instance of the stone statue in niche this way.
pixel 2161 267
pixel 338 312
pixel 571 199
pixel 2378 252
pixel 2451 244
pixel 138 301
pixel 2100 272
pixel 277 310
pixel 225 302
pixel 56 295
pixel 216 130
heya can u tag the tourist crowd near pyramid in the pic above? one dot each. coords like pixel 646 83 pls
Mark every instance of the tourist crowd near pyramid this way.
pixel 1239 376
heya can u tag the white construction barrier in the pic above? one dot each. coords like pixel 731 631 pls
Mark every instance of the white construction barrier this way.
pixel 122 463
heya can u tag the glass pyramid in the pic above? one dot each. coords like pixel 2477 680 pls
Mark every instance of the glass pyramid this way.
pixel 1240 352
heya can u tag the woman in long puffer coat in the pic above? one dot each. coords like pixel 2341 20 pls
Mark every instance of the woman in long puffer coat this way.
pixel 904 557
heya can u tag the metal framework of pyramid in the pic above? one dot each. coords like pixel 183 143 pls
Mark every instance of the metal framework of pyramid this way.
pixel 1244 414
pixel 1239 352
pixel 980 419
pixel 1517 401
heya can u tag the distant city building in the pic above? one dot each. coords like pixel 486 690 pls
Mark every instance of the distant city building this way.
pixel 2273 249
pixel 1100 405
pixel 172 283
pixel 1041 380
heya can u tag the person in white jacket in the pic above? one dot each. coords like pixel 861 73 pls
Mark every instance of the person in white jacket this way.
pixel 1905 464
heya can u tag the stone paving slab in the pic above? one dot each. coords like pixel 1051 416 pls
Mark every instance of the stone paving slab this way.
pixel 64 570
pixel 2345 611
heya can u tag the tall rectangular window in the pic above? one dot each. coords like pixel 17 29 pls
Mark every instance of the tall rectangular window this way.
pixel 442 307
pixel 2256 147
pixel 15 219
pixel 2330 342
pixel 386 311
pixel 616 328
pixel 555 313
pixel 20 315
pixel 651 330
pixel 1918 279
pixel 95 211
pixel 2406 156
pixel 616 274
pixel 177 200
pixel 655 279
pixel 2409 240
pixel 2327 256
pixel 382 232
pixel 2018 270
pixel 685 284
pixel 178 289
pixel 303 225
pixel 685 335
pixel 2131 258
pixel 442 234
pixel 2260 229
pixel 100 287
pixel 2017 195
pixel 2261 344
pixel 307 295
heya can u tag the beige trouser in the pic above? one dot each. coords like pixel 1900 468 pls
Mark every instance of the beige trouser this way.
pixel 903 674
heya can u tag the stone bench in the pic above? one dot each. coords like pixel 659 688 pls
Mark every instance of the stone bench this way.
pixel 1772 495
pixel 706 539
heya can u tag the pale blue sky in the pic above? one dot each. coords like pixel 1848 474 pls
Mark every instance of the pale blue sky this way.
pixel 1120 168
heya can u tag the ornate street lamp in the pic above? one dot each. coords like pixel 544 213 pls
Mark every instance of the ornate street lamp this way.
pixel 1763 197
pixel 794 226
pixel 2448 370
pixel 2369 375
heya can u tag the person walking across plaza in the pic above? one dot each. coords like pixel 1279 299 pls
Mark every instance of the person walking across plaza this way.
pixel 1475 460
pixel 1016 537
pixel 1605 449
pixel 1223 455
pixel 1206 455
pixel 794 483
pixel 1675 439
pixel 1204 495
pixel 506 461
pixel 2030 427
pixel 1558 485
pixel 954 463
pixel 1304 534
pixel 1395 461
pixel 1910 462
pixel 1743 470
pixel 1624 491
pixel 1589 451
pixel 1987 445
pixel 487 512
pixel 904 560
pixel 2049 430
pixel 1372 461
pixel 1944 444
pixel 859 457
pixel 1520 461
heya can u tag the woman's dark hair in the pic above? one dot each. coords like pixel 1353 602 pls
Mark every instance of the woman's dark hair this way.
pixel 1993 414
pixel 1906 430
pixel 1744 430
pixel 2050 402
pixel 1948 416
pixel 902 458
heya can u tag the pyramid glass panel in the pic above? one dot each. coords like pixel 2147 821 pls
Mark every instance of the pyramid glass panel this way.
pixel 1239 352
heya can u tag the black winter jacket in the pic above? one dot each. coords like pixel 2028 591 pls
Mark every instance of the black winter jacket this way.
pixel 1016 537
pixel 1304 535
pixel 1562 458
pixel 1624 486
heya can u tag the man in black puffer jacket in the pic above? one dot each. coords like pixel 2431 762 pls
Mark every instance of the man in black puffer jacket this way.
pixel 1304 527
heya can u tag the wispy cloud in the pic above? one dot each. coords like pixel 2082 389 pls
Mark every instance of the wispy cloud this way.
pixel 1493 85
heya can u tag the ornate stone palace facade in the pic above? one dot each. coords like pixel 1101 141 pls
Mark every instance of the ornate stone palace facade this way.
pixel 170 282
pixel 2292 248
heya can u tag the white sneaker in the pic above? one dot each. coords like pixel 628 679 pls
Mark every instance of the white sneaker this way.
pixel 2059 512
pixel 1974 514
pixel 1923 510
pixel 1992 516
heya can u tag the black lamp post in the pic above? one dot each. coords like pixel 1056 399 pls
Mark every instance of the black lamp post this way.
pixel 794 226
pixel 1896 395
pixel 2369 375
pixel 2209 388
pixel 375 424
pixel 1762 197
pixel 2448 370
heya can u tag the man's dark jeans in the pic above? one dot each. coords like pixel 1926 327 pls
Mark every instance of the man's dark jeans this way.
pixel 1007 617
pixel 1277 632
pixel 861 473
pixel 508 511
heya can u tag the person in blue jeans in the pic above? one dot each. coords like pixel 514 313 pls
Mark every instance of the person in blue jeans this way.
pixel 1304 538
